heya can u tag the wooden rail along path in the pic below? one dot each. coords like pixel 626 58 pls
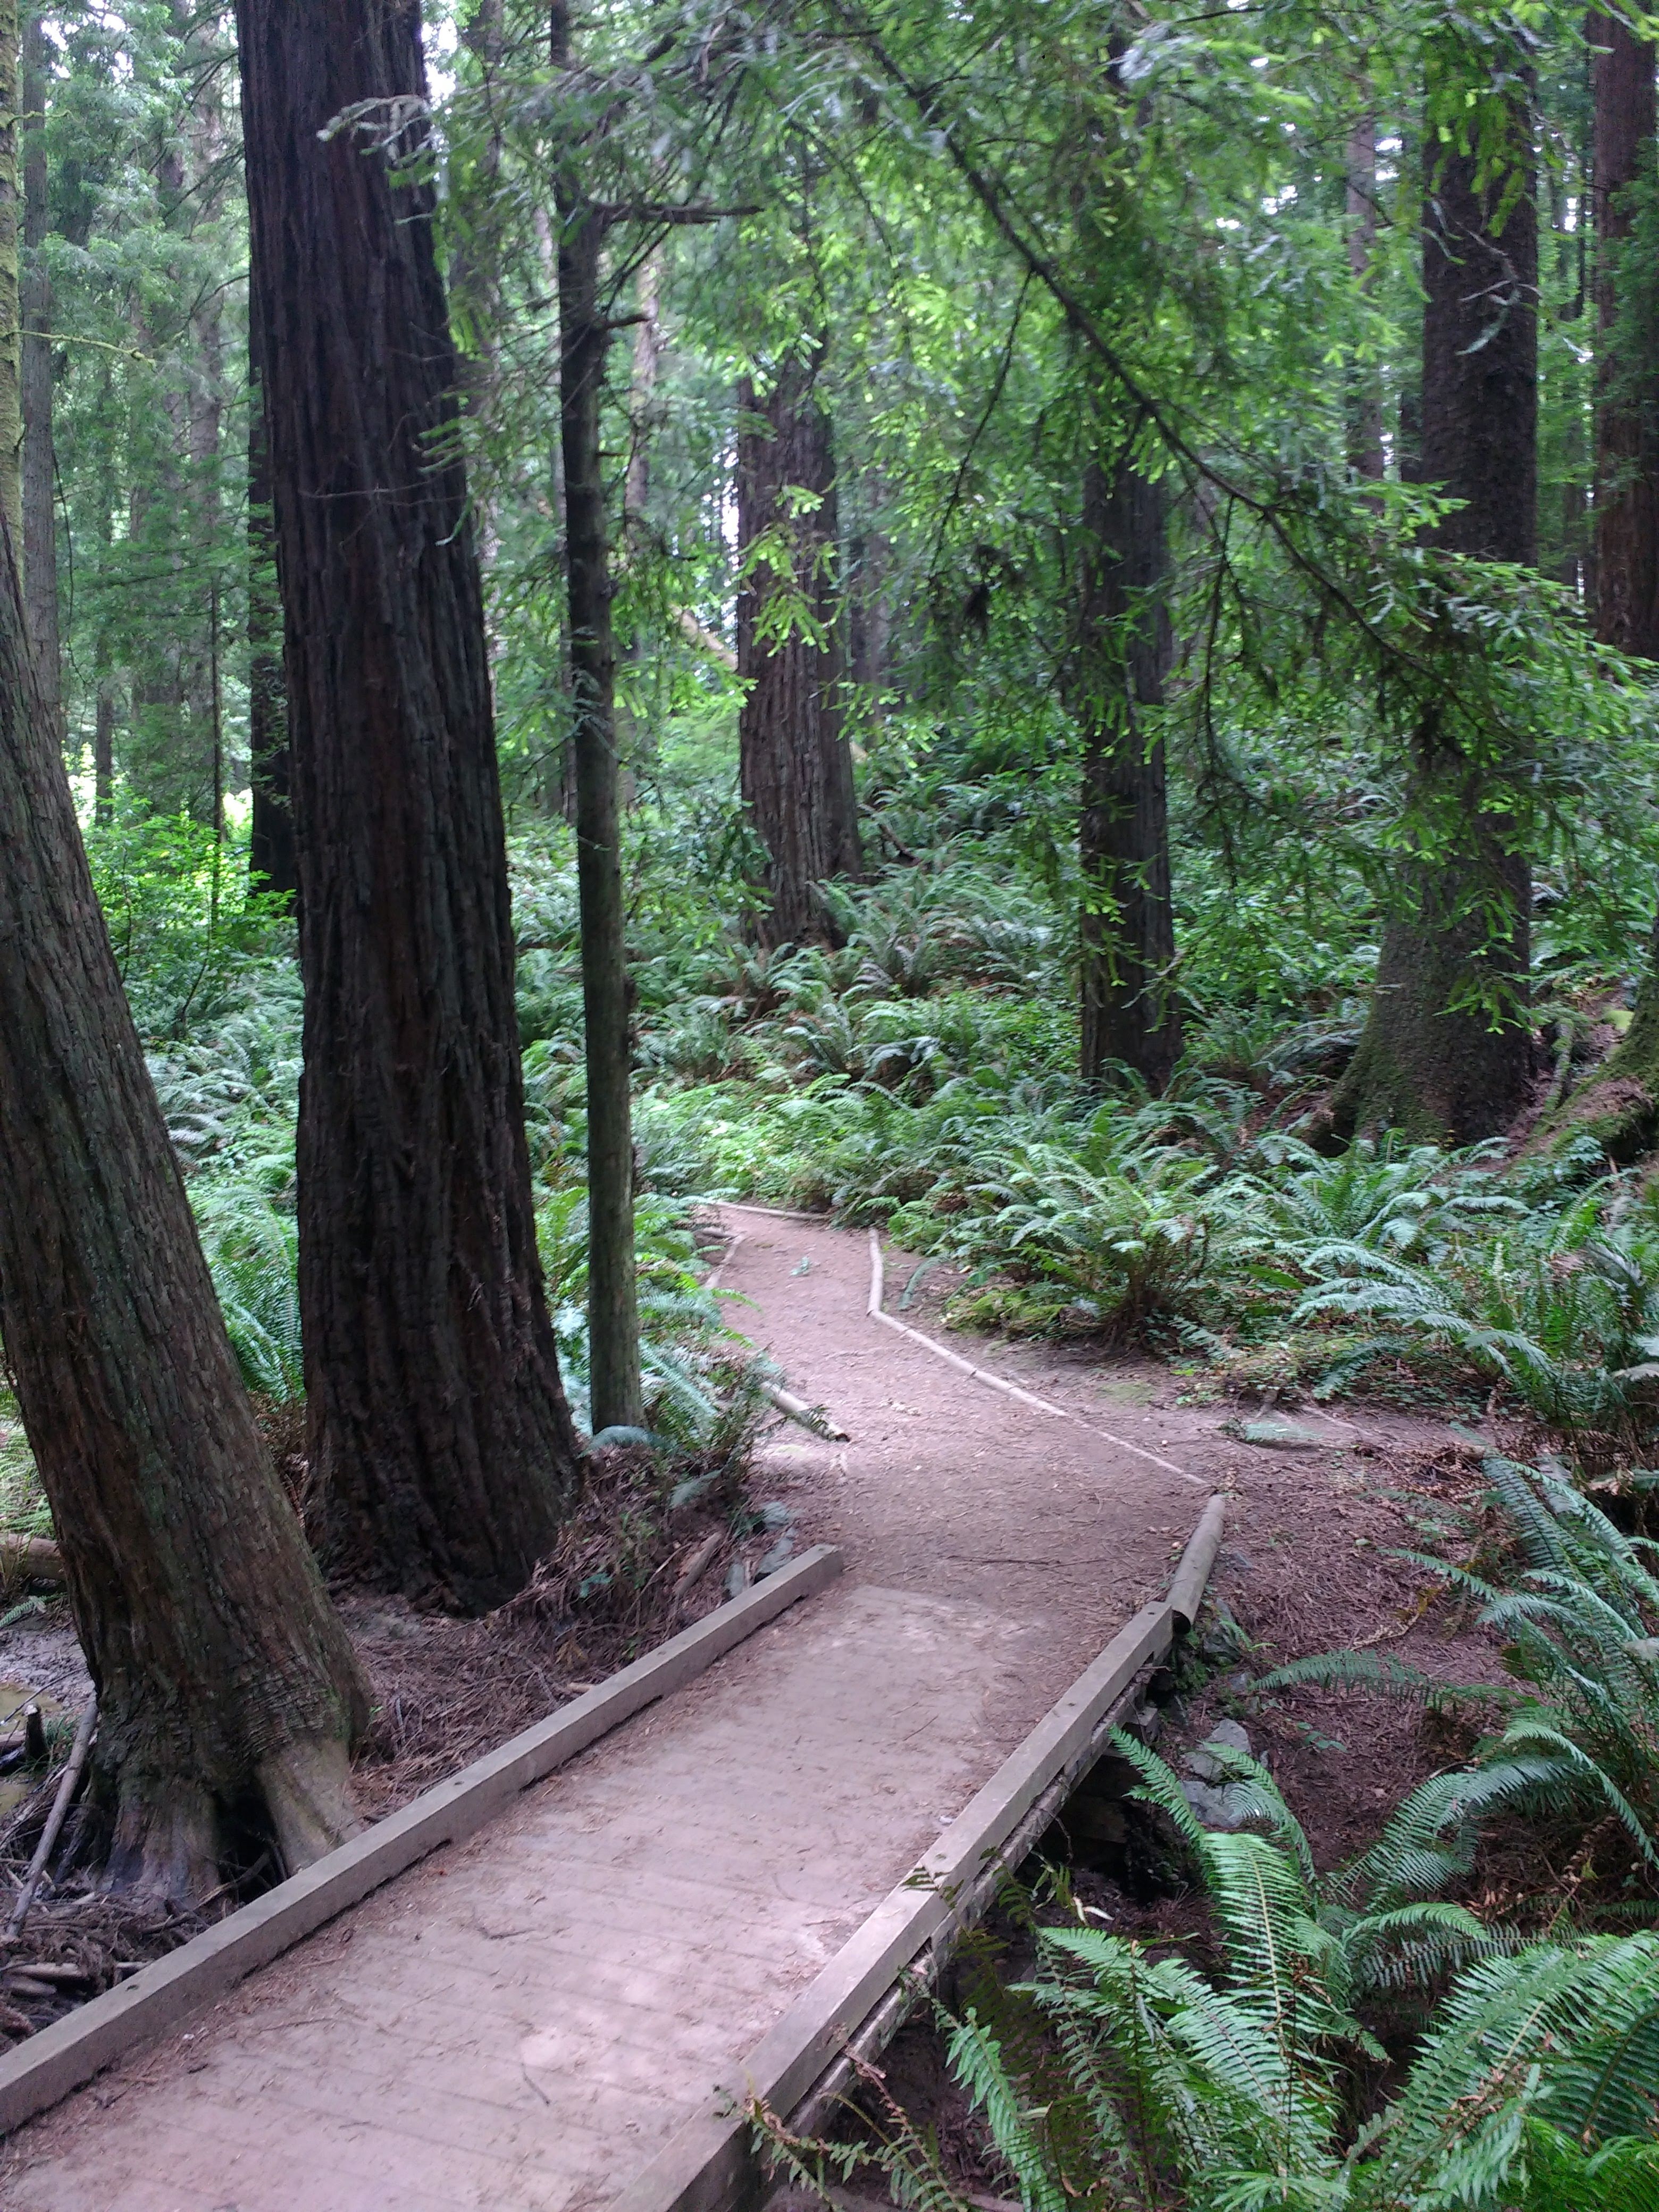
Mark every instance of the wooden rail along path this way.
pixel 556 1979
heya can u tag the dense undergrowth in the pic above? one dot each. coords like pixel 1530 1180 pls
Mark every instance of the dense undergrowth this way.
pixel 918 1076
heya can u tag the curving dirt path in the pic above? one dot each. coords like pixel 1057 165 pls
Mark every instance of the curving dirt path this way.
pixel 521 2023
pixel 1060 1523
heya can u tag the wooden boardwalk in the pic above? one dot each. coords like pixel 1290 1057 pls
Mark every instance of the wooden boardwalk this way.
pixel 527 2020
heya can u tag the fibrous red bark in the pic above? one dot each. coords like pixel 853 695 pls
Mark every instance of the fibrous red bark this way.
pixel 796 762
pixel 223 1676
pixel 438 1427
pixel 1446 1051
pixel 1127 922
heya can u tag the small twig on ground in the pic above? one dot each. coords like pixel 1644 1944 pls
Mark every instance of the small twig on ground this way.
pixel 55 1818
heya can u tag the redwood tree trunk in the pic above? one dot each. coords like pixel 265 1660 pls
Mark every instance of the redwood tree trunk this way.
pixel 40 466
pixel 438 1426
pixel 1425 1064
pixel 1127 922
pixel 1626 450
pixel 797 765
pixel 271 854
pixel 221 1672
pixel 1621 1109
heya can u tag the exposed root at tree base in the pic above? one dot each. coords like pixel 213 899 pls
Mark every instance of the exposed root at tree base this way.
pixel 307 1787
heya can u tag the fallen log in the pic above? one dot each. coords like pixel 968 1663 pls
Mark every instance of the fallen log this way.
pixel 30 1559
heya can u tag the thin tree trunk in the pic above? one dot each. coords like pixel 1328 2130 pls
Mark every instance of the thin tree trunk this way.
pixel 271 854
pixel 1366 455
pixel 221 1672
pixel 642 392
pixel 869 612
pixel 103 752
pixel 1425 1063
pixel 796 763
pixel 635 752
pixel 1627 451
pixel 438 1427
pixel 612 1296
pixel 1127 921
pixel 40 464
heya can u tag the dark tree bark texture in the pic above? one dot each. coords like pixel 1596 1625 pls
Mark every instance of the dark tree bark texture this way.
pixel 221 1672
pixel 797 765
pixel 1626 449
pixel 271 854
pixel 1620 1108
pixel 39 468
pixel 1127 922
pixel 438 1426
pixel 1426 1064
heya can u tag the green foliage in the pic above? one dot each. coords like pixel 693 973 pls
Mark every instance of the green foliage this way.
pixel 1579 1622
pixel 1129 2080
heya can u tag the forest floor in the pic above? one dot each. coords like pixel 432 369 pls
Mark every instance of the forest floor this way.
pixel 1057 1528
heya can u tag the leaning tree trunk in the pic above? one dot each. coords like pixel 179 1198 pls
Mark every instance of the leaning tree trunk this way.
pixel 438 1427
pixel 40 464
pixel 613 1323
pixel 1127 921
pixel 796 763
pixel 222 1673
pixel 1446 1053
pixel 271 853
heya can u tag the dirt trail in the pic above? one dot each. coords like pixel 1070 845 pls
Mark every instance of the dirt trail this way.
pixel 522 2022
pixel 949 1486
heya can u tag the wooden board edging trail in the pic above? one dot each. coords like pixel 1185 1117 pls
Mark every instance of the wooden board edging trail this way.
pixel 710 2164
pixel 37 2073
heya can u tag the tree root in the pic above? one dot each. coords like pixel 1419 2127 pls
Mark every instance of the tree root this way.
pixel 306 1788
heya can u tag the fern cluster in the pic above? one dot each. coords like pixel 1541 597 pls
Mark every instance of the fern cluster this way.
pixel 1533 2088
pixel 1579 1622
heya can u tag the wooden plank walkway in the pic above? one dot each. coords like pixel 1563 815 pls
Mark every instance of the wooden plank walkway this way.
pixel 525 2020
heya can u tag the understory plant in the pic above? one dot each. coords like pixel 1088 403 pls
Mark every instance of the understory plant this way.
pixel 1579 1620
pixel 1120 2080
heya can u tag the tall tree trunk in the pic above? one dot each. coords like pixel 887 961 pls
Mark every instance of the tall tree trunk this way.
pixel 438 1427
pixel 1621 1109
pixel 1127 921
pixel 641 398
pixel 40 464
pixel 1425 1063
pixel 635 746
pixel 271 856
pixel 1627 448
pixel 869 614
pixel 613 1325
pixel 12 386
pixel 1365 456
pixel 103 752
pixel 221 1672
pixel 796 763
